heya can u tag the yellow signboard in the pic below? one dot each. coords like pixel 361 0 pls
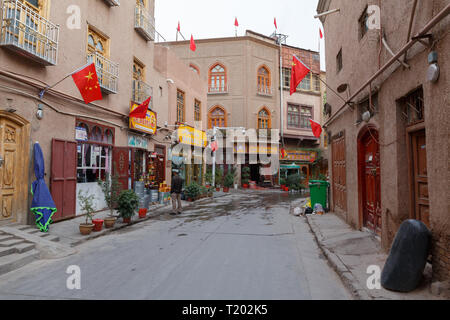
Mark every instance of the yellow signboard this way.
pixel 253 149
pixel 191 136
pixel 147 124
pixel 298 155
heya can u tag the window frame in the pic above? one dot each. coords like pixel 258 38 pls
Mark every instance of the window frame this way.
pixel 218 74
pixel 210 117
pixel 181 110
pixel 263 81
pixel 197 113
pixel 267 120
pixel 298 115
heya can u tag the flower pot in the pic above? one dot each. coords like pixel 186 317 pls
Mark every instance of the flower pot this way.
pixel 226 189
pixel 142 213
pixel 127 220
pixel 86 229
pixel 245 186
pixel 217 189
pixel 109 222
pixel 98 224
pixel 286 189
pixel 283 186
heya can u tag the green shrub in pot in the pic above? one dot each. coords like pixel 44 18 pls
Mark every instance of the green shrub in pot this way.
pixel 128 202
pixel 192 190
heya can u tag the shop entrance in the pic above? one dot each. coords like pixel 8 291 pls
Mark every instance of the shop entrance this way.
pixel 369 174
pixel 14 157
pixel 255 173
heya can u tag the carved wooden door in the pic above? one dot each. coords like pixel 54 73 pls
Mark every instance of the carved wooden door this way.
pixel 10 168
pixel 420 175
pixel 371 197
pixel 121 165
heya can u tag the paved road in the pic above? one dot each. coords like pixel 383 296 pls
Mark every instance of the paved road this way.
pixel 242 246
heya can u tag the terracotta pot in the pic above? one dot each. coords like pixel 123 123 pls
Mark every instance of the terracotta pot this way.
pixel 283 186
pixel 109 222
pixel 86 229
pixel 98 224
pixel 217 189
pixel 286 189
pixel 142 213
pixel 245 186
pixel 127 220
pixel 225 189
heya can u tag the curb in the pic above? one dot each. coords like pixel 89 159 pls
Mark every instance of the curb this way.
pixel 339 267
pixel 158 212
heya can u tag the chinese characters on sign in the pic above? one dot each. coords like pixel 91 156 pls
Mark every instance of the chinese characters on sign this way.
pixel 147 125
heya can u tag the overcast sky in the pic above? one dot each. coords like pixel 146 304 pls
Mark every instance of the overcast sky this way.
pixel 214 19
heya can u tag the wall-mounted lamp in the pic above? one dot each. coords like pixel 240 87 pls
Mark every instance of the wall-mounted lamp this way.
pixel 433 70
pixel 40 111
pixel 366 116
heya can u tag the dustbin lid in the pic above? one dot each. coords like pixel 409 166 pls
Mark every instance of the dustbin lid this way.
pixel 318 183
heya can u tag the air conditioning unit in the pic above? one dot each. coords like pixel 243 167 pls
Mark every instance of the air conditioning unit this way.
pixel 113 3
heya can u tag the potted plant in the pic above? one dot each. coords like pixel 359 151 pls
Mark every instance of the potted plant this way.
pixel 87 206
pixel 218 177
pixel 203 191
pixel 192 191
pixel 111 188
pixel 228 182
pixel 293 182
pixel 245 177
pixel 142 213
pixel 282 183
pixel 210 191
pixel 128 203
pixel 208 178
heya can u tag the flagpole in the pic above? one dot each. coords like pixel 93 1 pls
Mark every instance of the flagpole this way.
pixel 41 94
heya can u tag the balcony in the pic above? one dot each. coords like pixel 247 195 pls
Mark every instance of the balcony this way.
pixel 24 31
pixel 218 90
pixel 141 92
pixel 107 72
pixel 264 91
pixel 113 3
pixel 144 23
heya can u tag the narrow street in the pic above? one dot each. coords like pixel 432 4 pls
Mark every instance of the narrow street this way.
pixel 242 246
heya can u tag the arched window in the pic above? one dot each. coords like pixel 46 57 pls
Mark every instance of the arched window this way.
pixel 264 85
pixel 194 68
pixel 96 134
pixel 217 117
pixel 217 79
pixel 264 119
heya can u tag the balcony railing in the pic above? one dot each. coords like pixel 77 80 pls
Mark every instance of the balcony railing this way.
pixel 141 92
pixel 265 91
pixel 107 72
pixel 113 3
pixel 25 31
pixel 144 23
pixel 218 90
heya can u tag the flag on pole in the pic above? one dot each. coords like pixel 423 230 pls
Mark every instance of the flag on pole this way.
pixel 178 28
pixel 316 128
pixel 275 23
pixel 320 33
pixel 87 82
pixel 298 73
pixel 236 23
pixel 141 110
pixel 193 47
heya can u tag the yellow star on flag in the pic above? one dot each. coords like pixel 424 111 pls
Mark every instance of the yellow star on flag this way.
pixel 89 76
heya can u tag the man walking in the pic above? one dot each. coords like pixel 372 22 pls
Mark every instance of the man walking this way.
pixel 176 187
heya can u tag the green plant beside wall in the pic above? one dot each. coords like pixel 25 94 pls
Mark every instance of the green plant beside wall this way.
pixel 87 205
pixel 219 176
pixel 245 175
pixel 229 180
pixel 111 188
pixel 128 203
pixel 192 190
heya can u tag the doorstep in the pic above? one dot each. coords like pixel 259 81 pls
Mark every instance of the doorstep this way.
pixel 350 252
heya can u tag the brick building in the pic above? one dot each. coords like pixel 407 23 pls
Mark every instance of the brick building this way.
pixel 389 144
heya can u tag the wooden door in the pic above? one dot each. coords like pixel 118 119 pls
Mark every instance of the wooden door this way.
pixel 421 205
pixel 10 168
pixel 369 166
pixel 63 180
pixel 121 165
pixel 339 181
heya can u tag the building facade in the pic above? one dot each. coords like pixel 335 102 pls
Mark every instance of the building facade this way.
pixel 41 43
pixel 388 154
pixel 243 76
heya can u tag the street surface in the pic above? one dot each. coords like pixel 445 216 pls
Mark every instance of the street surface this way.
pixel 242 246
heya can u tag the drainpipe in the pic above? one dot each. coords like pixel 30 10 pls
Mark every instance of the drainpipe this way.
pixel 411 20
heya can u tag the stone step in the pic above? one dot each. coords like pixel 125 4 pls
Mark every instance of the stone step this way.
pixel 6 237
pixel 52 238
pixel 24 247
pixel 24 228
pixel 12 242
pixel 7 251
pixel 17 260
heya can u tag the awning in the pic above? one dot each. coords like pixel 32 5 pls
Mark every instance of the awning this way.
pixel 289 166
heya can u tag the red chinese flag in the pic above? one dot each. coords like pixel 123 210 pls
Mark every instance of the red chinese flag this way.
pixel 141 110
pixel 298 72
pixel 316 128
pixel 178 28
pixel 87 82
pixel 236 24
pixel 214 146
pixel 275 22
pixel 193 46
pixel 320 33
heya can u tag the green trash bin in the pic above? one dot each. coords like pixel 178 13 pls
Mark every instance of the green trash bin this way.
pixel 318 191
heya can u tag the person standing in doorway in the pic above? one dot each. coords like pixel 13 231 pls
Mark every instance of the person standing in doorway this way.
pixel 176 188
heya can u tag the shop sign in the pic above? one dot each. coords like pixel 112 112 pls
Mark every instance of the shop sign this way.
pixel 81 134
pixel 298 155
pixel 191 136
pixel 137 142
pixel 147 124
pixel 253 149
